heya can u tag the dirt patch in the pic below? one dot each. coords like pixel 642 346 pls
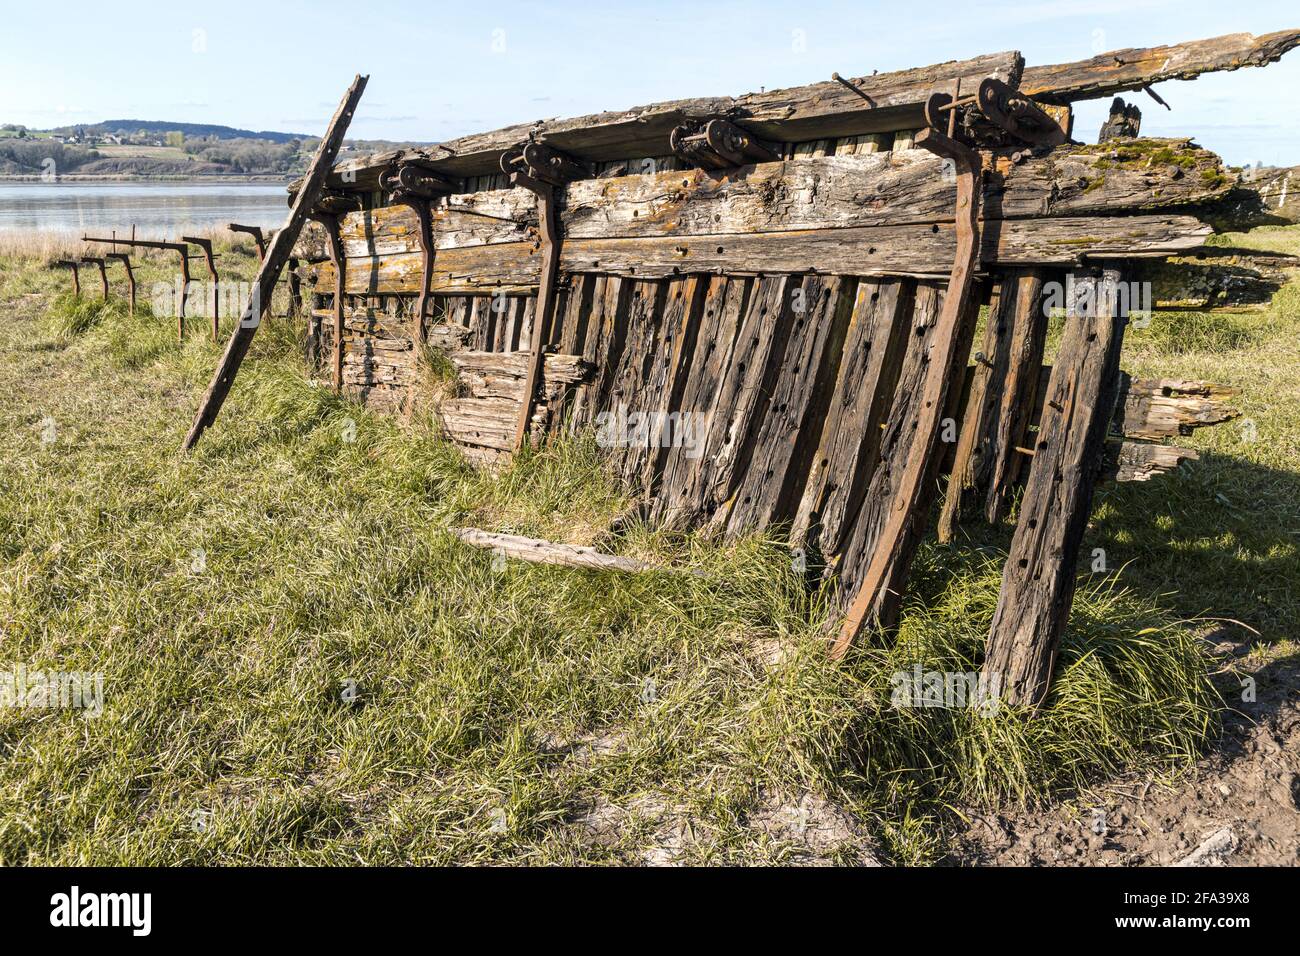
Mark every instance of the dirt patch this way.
pixel 1239 806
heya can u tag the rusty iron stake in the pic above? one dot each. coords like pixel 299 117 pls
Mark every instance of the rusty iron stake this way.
pixel 125 259
pixel 75 268
pixel 206 246
pixel 103 273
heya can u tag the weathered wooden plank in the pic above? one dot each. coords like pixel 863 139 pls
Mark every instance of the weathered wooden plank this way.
pixel 1039 578
pixel 789 426
pixel 875 251
pixel 837 191
pixel 1121 70
pixel 886 101
pixel 1003 386
pixel 1165 408
pixel 849 447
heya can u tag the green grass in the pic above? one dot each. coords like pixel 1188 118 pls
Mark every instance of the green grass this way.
pixel 302 666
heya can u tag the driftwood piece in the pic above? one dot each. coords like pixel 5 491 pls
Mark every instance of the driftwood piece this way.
pixel 276 259
pixel 1122 70
pixel 540 551
pixel 1039 578
pixel 1153 409
pixel 1124 122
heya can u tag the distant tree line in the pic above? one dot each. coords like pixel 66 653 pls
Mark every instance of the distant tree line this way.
pixel 31 154
pixel 249 156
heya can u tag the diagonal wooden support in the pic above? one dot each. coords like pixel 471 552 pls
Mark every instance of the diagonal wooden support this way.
pixel 269 273
pixel 1039 578
pixel 891 555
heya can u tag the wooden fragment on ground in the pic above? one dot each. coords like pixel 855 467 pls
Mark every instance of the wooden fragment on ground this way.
pixel 1153 409
pixel 1039 578
pixel 276 259
pixel 1142 461
pixel 540 551
pixel 1133 69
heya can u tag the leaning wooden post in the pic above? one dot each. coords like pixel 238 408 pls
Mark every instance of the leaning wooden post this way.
pixel 340 263
pixel 891 555
pixel 1039 578
pixel 125 259
pixel 269 273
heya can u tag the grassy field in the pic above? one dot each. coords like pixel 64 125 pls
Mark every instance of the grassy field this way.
pixel 302 666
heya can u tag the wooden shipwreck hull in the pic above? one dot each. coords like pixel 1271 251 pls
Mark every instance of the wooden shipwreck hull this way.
pixel 767 307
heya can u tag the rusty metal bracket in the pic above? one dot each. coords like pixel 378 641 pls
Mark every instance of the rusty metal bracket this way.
pixel 540 169
pixel 717 144
pixel 995 116
pixel 75 268
pixel 418 188
pixel 210 261
pixel 125 259
pixel 891 554
pixel 258 238
pixel 179 248
pixel 103 273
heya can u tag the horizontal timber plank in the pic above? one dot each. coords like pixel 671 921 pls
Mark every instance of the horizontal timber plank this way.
pixel 871 251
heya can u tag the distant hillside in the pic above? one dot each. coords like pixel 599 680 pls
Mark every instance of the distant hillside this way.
pixel 194 130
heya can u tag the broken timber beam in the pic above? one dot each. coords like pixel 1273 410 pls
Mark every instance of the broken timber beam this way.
pixel 1039 577
pixel 269 272
pixel 890 557
pixel 1121 70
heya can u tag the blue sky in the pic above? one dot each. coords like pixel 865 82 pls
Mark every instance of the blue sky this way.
pixel 440 70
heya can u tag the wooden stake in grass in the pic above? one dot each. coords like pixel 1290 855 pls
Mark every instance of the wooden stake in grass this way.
pixel 276 257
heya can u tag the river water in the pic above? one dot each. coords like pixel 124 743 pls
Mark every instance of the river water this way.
pixel 157 210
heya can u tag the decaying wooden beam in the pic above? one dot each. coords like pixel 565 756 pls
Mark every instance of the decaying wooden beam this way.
pixel 540 551
pixel 277 256
pixel 1122 70
pixel 1038 580
pixel 1140 461
pixel 890 558
pixel 1153 409
pixel 1124 122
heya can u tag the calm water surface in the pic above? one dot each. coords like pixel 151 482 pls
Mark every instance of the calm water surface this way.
pixel 155 209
